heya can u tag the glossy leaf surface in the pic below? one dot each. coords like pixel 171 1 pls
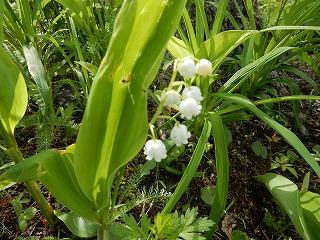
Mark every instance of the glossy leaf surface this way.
pixel 13 93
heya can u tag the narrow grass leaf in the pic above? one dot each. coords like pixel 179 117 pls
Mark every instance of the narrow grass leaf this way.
pixel 191 34
pixel 191 168
pixel 222 168
pixel 223 4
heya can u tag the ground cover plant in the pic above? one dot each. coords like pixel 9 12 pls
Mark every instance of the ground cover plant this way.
pixel 217 79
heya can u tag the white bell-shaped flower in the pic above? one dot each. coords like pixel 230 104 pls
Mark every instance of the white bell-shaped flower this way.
pixel 204 67
pixel 155 149
pixel 179 134
pixel 172 97
pixel 192 92
pixel 189 108
pixel 187 68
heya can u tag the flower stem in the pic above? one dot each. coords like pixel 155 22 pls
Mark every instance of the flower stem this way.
pixel 161 104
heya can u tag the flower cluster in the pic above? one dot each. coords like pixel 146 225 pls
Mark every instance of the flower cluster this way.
pixel 188 103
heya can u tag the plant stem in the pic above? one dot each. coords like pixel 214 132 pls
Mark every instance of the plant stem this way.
pixel 115 192
pixel 159 110
pixel 101 233
pixel 32 186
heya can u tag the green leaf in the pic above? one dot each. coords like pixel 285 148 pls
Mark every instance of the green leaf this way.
pixel 6 184
pixel 37 70
pixel 189 227
pixel 163 224
pixel 207 194
pixel 78 225
pixel 286 193
pixel 23 224
pixel 17 206
pixel 55 170
pixel 89 66
pixel 305 182
pixel 29 213
pixel 310 203
pixel 13 94
pixel 239 235
pixel 217 48
pixel 116 112
pixel 178 49
pixel 222 168
pixel 1 20
pixel 118 231
pixel 259 149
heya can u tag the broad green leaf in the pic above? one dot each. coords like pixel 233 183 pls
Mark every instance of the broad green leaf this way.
pixel 286 193
pixel 115 123
pixel 259 149
pixel 78 225
pixel 222 168
pixel 6 184
pixel 1 20
pixel 207 194
pixel 37 70
pixel 310 203
pixel 13 94
pixel 29 213
pixel 283 131
pixel 163 224
pixel 55 170
pixel 23 224
pixel 191 168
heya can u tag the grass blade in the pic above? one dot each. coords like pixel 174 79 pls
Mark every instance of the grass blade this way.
pixel 191 168
pixel 222 165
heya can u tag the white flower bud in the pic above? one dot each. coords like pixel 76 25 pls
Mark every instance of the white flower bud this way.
pixel 187 68
pixel 155 149
pixel 172 97
pixel 179 134
pixel 189 108
pixel 192 92
pixel 204 67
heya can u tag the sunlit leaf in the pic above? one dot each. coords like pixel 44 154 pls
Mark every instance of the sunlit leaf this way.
pixel 13 94
pixel 78 225
pixel 286 194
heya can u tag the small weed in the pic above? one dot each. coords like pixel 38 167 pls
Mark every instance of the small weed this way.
pixel 23 215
